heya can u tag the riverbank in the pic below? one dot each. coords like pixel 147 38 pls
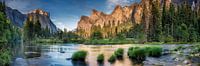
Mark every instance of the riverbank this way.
pixel 47 41
pixel 104 41
pixel 172 55
pixel 129 41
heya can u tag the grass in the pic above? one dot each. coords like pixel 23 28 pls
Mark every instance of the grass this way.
pixel 119 53
pixel 108 41
pixel 154 51
pixel 48 41
pixel 79 56
pixel 154 43
pixel 100 58
pixel 126 41
pixel 178 48
pixel 112 59
pixel 137 54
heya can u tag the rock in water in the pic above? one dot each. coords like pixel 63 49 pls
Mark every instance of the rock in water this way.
pixel 20 62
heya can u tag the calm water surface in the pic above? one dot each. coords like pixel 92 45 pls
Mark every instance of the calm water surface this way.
pixel 60 55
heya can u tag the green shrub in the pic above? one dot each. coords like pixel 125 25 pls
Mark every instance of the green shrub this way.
pixel 100 58
pixel 130 49
pixel 5 58
pixel 178 48
pixel 154 51
pixel 197 48
pixel 137 54
pixel 119 53
pixel 167 39
pixel 79 56
pixel 112 59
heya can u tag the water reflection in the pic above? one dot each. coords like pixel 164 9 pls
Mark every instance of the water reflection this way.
pixel 60 55
pixel 79 63
pixel 54 55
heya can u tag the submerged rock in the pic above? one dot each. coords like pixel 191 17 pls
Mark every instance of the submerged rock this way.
pixel 186 62
pixel 20 62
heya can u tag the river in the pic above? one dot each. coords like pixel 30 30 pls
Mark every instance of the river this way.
pixel 60 55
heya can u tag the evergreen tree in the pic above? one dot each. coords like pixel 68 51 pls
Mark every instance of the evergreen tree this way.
pixel 155 25
pixel 37 29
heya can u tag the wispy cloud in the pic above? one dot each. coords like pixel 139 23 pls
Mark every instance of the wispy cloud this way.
pixel 113 3
pixel 66 23
pixel 61 25
pixel 23 6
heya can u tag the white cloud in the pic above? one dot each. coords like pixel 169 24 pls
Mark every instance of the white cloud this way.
pixel 21 5
pixel 62 26
pixel 112 3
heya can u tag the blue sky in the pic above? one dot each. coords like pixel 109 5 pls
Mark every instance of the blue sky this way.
pixel 67 13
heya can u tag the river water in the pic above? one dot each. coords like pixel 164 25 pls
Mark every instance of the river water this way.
pixel 60 55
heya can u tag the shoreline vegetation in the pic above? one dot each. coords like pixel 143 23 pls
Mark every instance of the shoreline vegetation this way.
pixel 138 54
pixel 103 41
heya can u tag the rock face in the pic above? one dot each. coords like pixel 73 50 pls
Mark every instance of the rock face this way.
pixel 16 17
pixel 120 20
pixel 43 18
pixel 105 23
pixel 19 19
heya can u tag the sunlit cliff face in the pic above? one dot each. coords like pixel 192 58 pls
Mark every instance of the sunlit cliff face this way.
pixel 39 11
pixel 44 19
pixel 120 15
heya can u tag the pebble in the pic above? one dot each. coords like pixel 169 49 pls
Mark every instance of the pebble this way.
pixel 186 62
pixel 176 59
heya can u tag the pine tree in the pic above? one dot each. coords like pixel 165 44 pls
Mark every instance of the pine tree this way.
pixel 155 25
pixel 37 29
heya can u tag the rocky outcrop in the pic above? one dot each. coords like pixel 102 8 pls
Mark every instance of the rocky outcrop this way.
pixel 16 17
pixel 122 18
pixel 107 24
pixel 19 19
pixel 43 18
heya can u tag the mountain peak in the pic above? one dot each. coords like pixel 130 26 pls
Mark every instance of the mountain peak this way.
pixel 44 19
pixel 117 9
pixel 39 11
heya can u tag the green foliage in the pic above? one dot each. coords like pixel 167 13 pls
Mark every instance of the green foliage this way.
pixel 71 37
pixel 137 54
pixel 167 39
pixel 97 35
pixel 119 53
pixel 178 48
pixel 5 57
pixel 154 51
pixel 155 29
pixel 112 59
pixel 37 29
pixel 109 41
pixel 100 58
pixel 8 32
pixel 120 36
pixel 79 56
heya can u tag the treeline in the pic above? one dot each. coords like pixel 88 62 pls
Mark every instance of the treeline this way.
pixel 178 23
pixel 8 34
pixel 34 32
